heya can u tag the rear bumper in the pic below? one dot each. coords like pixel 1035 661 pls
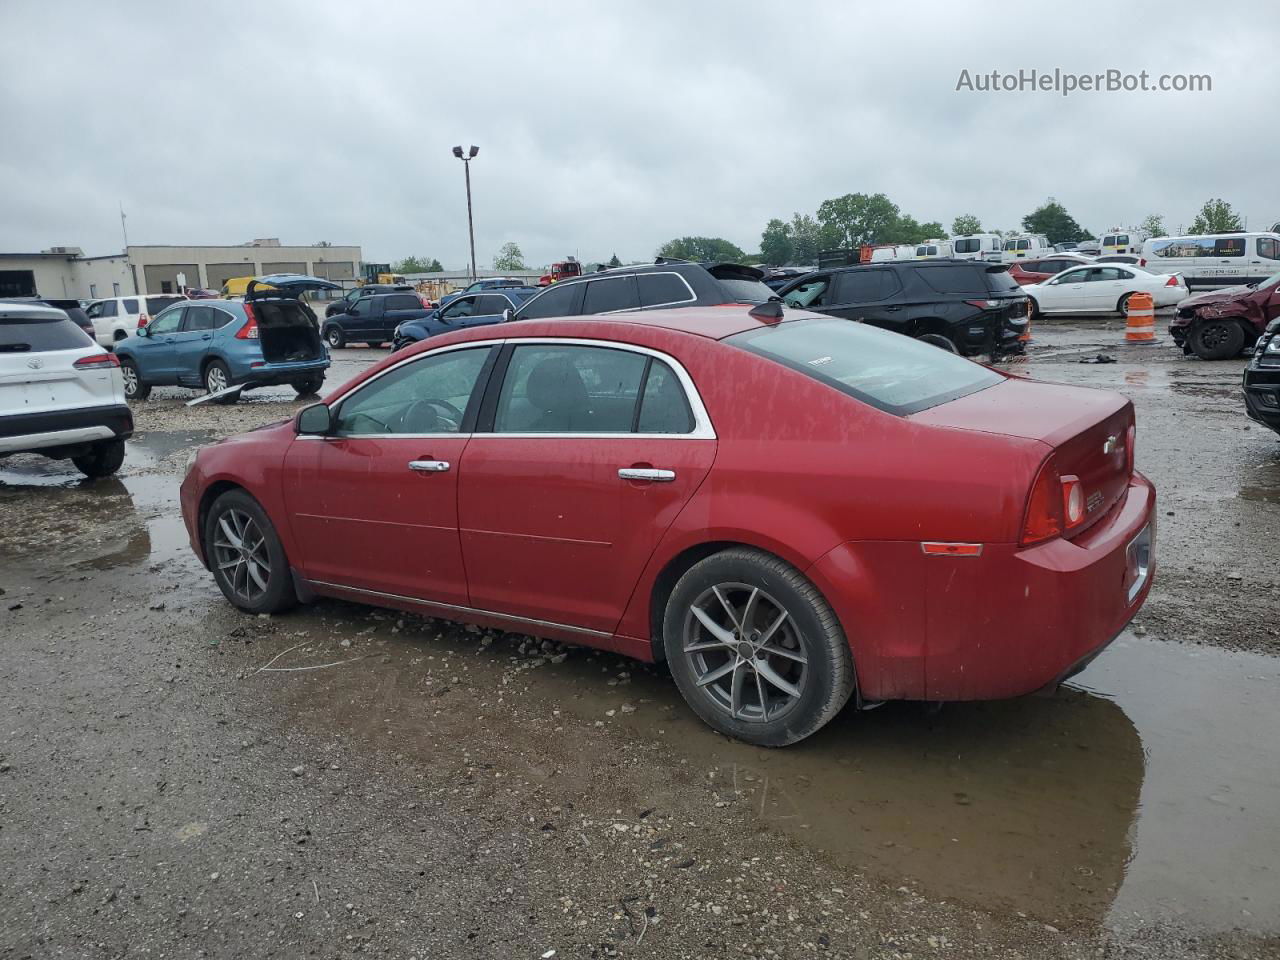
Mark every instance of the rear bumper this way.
pixel 273 374
pixel 21 432
pixel 1007 623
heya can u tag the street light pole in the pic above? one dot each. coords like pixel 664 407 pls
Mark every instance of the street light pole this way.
pixel 471 227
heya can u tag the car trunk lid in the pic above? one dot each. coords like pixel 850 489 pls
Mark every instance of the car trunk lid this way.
pixel 287 331
pixel 1086 430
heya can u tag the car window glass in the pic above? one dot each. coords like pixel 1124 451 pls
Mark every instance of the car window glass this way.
pixel 657 289
pixel 462 307
pixel 198 318
pixel 811 293
pixel 429 395
pixel 961 278
pixel 109 308
pixel 1124 275
pixel 491 304
pixel 859 286
pixel 167 322
pixel 131 306
pixel 611 293
pixel 559 301
pixel 1071 276
pixel 1024 245
pixel 1104 273
pixel 1122 239
pixel 403 301
pixel 569 389
pixel 664 408
pixel 35 334
pixel 156 304
pixel 95 310
pixel 1229 247
pixel 1268 248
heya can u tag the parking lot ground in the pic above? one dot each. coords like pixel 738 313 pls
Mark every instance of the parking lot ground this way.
pixel 178 779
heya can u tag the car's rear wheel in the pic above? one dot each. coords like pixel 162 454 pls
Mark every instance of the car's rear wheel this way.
pixel 309 386
pixel 1035 309
pixel 335 338
pixel 755 649
pixel 376 344
pixel 134 387
pixel 940 340
pixel 1217 339
pixel 102 460
pixel 216 379
pixel 246 556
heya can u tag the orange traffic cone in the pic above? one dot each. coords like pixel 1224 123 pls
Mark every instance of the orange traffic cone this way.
pixel 1140 323
pixel 1026 333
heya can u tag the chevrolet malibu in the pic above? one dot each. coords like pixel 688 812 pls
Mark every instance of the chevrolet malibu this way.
pixel 791 510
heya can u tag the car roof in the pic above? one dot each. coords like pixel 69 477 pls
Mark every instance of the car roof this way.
pixel 715 323
pixel 29 310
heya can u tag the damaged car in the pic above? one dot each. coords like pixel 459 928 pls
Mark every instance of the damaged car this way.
pixel 1262 376
pixel 269 338
pixel 1218 324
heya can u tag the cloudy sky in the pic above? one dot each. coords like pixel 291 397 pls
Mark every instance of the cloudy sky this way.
pixel 608 128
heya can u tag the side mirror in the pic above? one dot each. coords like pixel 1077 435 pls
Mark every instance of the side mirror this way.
pixel 508 315
pixel 315 420
pixel 143 332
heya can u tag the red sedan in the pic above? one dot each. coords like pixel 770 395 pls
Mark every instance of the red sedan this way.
pixel 789 510
pixel 1027 272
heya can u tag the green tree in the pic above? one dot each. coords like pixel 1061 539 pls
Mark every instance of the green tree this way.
pixel 417 265
pixel 807 238
pixel 965 224
pixel 614 261
pixel 775 243
pixel 1153 225
pixel 907 230
pixel 1052 220
pixel 856 218
pixel 1216 216
pixel 509 258
pixel 701 248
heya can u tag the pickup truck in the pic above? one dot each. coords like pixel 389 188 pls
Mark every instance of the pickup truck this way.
pixel 469 310
pixel 373 319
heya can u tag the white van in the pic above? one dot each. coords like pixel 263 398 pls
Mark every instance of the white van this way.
pixel 976 246
pixel 1215 259
pixel 933 248
pixel 1119 240
pixel 1026 246
pixel 898 251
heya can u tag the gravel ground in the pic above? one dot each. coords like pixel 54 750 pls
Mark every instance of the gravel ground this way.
pixel 178 779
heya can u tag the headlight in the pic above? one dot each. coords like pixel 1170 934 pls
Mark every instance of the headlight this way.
pixel 396 332
pixel 1273 346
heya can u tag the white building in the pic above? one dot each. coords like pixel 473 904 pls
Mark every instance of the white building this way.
pixel 66 272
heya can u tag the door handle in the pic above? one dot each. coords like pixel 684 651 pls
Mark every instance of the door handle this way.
pixel 647 473
pixel 429 466
pixel 206 336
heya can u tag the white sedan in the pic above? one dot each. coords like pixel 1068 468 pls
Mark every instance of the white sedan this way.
pixel 1103 288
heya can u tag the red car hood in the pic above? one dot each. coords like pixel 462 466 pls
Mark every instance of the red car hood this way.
pixel 1215 296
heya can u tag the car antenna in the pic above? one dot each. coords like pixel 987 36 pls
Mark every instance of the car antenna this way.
pixel 770 311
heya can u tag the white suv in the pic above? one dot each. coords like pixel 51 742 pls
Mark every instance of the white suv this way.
pixel 118 317
pixel 61 394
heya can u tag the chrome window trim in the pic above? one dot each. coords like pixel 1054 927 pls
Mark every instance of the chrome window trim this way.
pixel 703 429
pixel 458 608
pixel 692 298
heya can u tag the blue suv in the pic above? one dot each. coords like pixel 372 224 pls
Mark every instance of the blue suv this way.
pixel 268 338
pixel 468 310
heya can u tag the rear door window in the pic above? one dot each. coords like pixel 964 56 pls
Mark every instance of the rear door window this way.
pixel 660 289
pixel 109 308
pixel 199 318
pixel 37 334
pixel 551 388
pixel 960 279
pixel 860 286
pixel 1229 247
pixel 893 373
pixel 131 307
pixel 611 293
pixel 558 301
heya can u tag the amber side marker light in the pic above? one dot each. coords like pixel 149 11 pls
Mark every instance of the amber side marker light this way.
pixel 935 549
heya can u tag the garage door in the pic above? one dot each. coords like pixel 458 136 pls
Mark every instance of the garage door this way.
pixel 220 273
pixel 284 267
pixel 163 277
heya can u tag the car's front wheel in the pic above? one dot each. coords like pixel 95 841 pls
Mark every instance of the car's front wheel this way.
pixel 308 386
pixel 102 460
pixel 334 337
pixel 755 649
pixel 1217 339
pixel 246 556
pixel 134 387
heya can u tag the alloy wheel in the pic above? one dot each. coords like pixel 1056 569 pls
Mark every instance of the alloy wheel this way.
pixel 240 554
pixel 215 379
pixel 746 651
pixel 130 376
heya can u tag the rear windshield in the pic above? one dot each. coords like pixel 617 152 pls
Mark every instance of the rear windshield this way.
pixel 743 285
pixel 972 245
pixel 891 372
pixel 1000 282
pixel 156 304
pixel 28 335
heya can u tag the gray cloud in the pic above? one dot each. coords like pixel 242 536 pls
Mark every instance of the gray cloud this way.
pixel 603 128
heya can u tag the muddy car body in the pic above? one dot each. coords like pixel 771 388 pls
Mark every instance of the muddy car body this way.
pixel 1218 324
pixel 270 337
pixel 798 497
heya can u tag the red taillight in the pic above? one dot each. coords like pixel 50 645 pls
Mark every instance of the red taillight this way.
pixel 1130 437
pixel 250 330
pixel 1142 261
pixel 97 361
pixel 1043 520
pixel 1172 281
pixel 143 320
pixel 1073 501
pixel 984 304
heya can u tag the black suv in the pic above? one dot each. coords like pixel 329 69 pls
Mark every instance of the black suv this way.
pixel 966 306
pixel 356 294
pixel 656 286
pixel 373 319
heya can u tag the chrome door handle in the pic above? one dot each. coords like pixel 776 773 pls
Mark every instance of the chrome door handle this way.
pixel 646 473
pixel 429 466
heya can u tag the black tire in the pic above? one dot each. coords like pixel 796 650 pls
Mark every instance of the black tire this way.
pixel 376 344
pixel 309 386
pixel 134 387
pixel 1122 305
pixel 102 460
pixel 939 340
pixel 810 631
pixel 278 594
pixel 334 337
pixel 1035 309
pixel 397 345
pixel 1216 339
pixel 217 377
